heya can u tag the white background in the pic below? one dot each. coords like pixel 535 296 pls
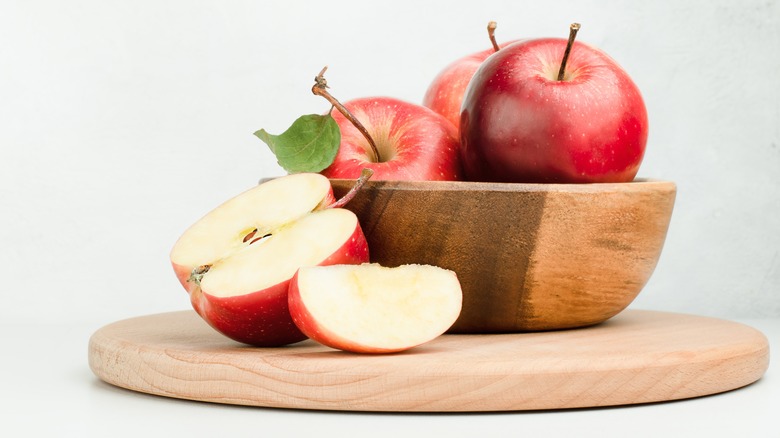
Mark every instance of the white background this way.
pixel 122 122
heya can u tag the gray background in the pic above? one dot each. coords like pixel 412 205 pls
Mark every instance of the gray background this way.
pixel 122 122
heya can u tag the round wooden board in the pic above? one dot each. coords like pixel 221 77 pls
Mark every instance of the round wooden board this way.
pixel 636 357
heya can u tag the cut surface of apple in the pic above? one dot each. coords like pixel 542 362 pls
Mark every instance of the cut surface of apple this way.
pixel 306 242
pixel 263 208
pixel 369 308
pixel 237 261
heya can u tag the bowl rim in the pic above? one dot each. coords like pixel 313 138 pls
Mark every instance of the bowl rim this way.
pixel 638 184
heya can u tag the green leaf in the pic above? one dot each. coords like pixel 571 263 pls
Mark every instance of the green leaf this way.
pixel 310 144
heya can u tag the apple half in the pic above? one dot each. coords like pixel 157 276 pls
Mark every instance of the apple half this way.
pixel 237 261
pixel 369 308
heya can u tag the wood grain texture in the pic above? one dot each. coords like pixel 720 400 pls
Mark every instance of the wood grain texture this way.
pixel 529 256
pixel 636 357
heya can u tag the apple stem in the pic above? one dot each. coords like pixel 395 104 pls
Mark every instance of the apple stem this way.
pixel 197 274
pixel 319 88
pixel 572 34
pixel 365 175
pixel 491 28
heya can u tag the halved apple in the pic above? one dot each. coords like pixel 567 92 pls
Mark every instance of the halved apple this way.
pixel 237 261
pixel 369 308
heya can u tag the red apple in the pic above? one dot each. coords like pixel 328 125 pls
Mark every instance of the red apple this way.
pixel 445 93
pixel 413 142
pixel 373 309
pixel 520 123
pixel 237 261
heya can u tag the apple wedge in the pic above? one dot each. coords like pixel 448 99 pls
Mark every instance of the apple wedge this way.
pixel 237 261
pixel 369 308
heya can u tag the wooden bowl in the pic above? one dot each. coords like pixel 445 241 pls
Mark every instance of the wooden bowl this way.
pixel 529 257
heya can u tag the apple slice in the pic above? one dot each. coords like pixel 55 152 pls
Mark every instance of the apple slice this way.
pixel 368 308
pixel 237 261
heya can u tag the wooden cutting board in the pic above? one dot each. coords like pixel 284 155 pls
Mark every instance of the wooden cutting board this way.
pixel 636 357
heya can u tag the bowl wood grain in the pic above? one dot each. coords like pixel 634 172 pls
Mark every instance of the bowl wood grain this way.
pixel 529 257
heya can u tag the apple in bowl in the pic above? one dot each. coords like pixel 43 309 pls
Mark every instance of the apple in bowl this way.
pixel 237 261
pixel 549 110
pixel 410 142
pixel 395 139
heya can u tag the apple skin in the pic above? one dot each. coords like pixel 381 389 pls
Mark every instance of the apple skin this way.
pixel 520 124
pixel 262 318
pixel 445 93
pixel 414 142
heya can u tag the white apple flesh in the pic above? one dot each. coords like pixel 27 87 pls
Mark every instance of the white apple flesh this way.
pixel 369 308
pixel 237 261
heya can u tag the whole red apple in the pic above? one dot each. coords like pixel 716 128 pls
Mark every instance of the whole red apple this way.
pixel 521 123
pixel 412 141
